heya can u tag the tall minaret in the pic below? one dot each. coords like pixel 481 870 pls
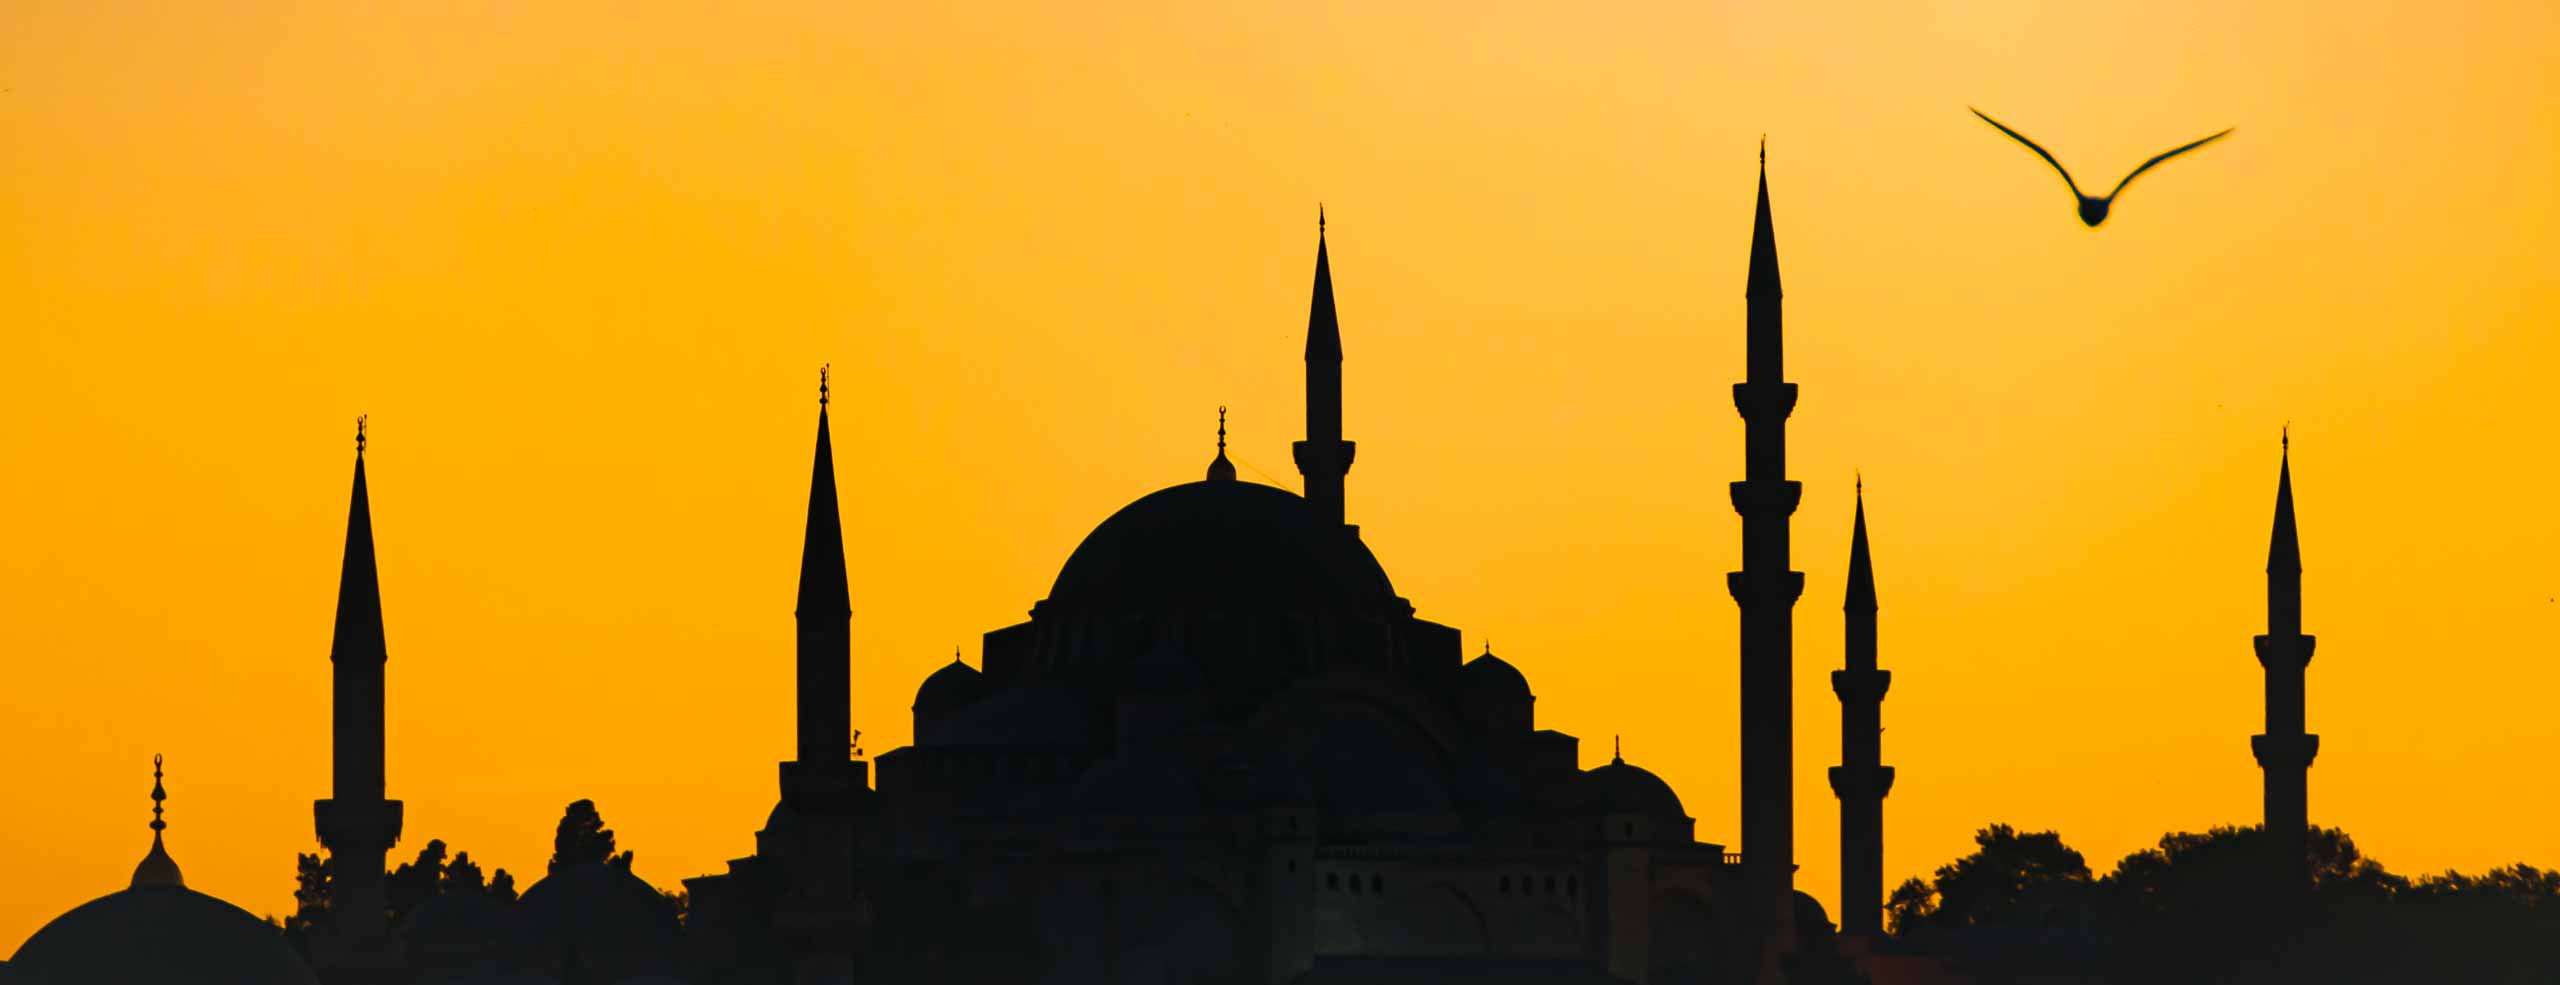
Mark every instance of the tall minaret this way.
pixel 1765 588
pixel 825 616
pixel 356 823
pixel 2285 751
pixel 1324 458
pixel 1860 781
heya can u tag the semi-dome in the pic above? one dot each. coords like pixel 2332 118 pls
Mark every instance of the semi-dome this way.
pixel 157 935
pixel 1620 787
pixel 1224 545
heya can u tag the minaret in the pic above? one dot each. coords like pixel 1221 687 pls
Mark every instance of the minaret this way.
pixel 824 775
pixel 357 824
pixel 1860 781
pixel 1324 458
pixel 1766 588
pixel 2285 751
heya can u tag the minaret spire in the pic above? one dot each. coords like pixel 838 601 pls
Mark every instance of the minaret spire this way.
pixel 1766 589
pixel 1861 780
pixel 825 611
pixel 1324 458
pixel 2284 752
pixel 357 823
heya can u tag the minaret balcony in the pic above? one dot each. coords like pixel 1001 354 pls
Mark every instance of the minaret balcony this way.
pixel 2285 652
pixel 1770 401
pixel 353 826
pixel 1861 685
pixel 2285 751
pixel 1764 497
pixel 1859 783
pixel 1751 587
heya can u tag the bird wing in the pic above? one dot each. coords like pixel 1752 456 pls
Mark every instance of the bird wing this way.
pixel 2180 149
pixel 2040 152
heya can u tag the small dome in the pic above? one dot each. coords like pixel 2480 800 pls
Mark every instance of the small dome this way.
pixel 956 685
pixel 1489 676
pixel 600 910
pixel 157 935
pixel 1623 788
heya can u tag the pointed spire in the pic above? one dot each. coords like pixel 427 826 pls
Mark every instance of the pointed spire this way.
pixel 1862 575
pixel 157 868
pixel 1221 470
pixel 823 591
pixel 358 635
pixel 1764 239
pixel 2284 549
pixel 1324 334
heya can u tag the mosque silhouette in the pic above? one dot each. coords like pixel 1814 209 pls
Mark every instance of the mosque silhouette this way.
pixel 1222 750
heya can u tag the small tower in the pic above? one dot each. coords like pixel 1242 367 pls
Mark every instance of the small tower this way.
pixel 2285 751
pixel 357 824
pixel 1767 587
pixel 1861 781
pixel 1324 458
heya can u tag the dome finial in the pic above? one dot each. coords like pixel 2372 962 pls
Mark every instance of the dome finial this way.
pixel 158 793
pixel 157 868
pixel 1617 751
pixel 1221 470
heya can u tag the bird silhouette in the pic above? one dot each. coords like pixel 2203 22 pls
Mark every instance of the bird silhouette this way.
pixel 2094 210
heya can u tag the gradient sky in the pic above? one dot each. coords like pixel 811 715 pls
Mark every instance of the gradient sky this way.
pixel 580 262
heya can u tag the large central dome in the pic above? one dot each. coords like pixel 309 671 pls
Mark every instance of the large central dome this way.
pixel 1220 544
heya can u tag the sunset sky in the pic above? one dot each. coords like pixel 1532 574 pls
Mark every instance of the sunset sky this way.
pixel 581 262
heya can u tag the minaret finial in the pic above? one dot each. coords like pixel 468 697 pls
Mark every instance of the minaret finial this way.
pixel 360 422
pixel 1764 151
pixel 2284 438
pixel 1319 219
pixel 822 382
pixel 1858 480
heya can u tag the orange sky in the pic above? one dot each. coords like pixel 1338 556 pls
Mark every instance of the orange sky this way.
pixel 580 263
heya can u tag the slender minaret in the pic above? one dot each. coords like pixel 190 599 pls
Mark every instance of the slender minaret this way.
pixel 1324 458
pixel 825 615
pixel 1766 588
pixel 356 823
pixel 1861 781
pixel 2285 751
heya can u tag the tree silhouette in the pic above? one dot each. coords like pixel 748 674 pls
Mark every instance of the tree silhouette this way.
pixel 583 838
pixel 2010 878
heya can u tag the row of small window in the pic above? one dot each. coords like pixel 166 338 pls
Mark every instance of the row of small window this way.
pixel 1528 885
pixel 1334 881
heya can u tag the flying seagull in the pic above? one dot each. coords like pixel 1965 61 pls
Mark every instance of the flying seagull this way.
pixel 2094 210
